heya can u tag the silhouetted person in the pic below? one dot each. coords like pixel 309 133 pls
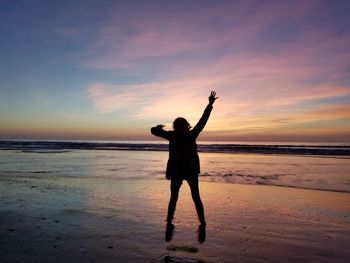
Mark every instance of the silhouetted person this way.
pixel 183 164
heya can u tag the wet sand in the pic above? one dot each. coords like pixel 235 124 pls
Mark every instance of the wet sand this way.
pixel 70 219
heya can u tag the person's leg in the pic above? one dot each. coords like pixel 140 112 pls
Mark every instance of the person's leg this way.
pixel 193 183
pixel 174 194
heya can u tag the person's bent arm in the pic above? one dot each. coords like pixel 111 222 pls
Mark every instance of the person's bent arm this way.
pixel 158 131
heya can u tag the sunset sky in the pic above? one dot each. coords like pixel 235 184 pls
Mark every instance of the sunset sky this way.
pixel 112 69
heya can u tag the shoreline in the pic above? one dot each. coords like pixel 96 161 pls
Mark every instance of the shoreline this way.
pixel 43 175
pixel 204 147
pixel 109 220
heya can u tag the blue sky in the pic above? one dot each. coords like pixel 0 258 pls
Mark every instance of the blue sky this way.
pixel 112 69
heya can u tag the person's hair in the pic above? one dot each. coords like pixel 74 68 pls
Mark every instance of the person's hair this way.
pixel 181 125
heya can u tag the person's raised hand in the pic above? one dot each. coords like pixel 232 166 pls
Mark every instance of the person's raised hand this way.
pixel 212 97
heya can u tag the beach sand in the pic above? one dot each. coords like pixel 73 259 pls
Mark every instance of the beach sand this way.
pixel 71 219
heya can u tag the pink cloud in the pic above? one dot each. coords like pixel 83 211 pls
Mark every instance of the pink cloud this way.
pixel 256 87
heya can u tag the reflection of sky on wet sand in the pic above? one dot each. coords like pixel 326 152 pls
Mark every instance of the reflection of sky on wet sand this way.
pixel 313 172
pixel 96 207
pixel 128 164
pixel 244 222
pixel 250 222
pixel 238 216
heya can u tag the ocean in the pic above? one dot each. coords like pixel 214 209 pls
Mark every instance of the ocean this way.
pixel 299 165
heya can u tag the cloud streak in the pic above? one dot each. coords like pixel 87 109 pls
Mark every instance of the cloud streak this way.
pixel 261 71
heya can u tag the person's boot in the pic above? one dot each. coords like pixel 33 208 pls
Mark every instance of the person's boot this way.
pixel 169 231
pixel 201 233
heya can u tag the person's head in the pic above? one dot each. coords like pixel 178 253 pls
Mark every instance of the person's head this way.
pixel 181 125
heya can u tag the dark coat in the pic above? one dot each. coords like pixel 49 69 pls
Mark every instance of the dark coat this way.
pixel 183 159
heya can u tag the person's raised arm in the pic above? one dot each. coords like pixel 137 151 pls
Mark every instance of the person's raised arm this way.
pixel 205 116
pixel 158 131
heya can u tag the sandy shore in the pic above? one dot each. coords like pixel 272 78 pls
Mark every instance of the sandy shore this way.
pixel 64 219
